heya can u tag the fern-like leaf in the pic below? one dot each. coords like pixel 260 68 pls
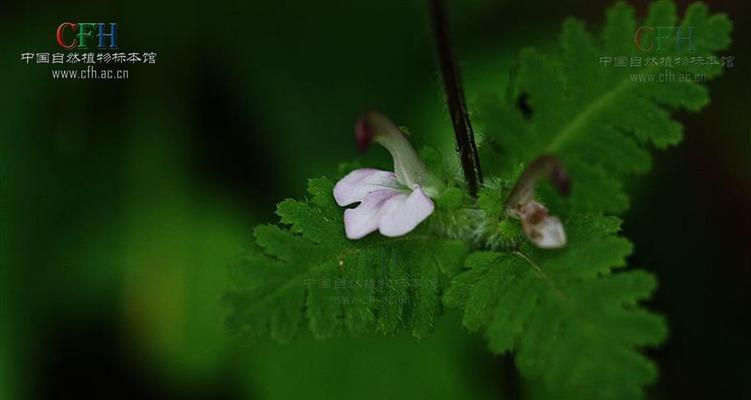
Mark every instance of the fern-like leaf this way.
pixel 597 117
pixel 307 273
pixel 574 324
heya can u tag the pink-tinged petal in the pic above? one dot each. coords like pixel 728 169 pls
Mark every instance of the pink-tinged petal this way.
pixel 548 233
pixel 401 214
pixel 365 218
pixel 359 183
pixel 542 229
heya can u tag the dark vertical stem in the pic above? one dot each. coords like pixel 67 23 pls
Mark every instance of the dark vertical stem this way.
pixel 465 137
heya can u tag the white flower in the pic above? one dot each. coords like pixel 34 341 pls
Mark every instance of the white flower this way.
pixel 385 204
pixel 544 230
pixel 393 203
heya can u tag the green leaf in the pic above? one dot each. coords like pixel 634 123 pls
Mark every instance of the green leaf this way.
pixel 573 324
pixel 307 274
pixel 599 119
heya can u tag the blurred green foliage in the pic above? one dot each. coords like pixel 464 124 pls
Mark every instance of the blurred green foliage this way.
pixel 371 367
pixel 112 216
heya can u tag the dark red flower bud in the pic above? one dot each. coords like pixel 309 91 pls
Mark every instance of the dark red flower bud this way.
pixel 363 132
pixel 560 180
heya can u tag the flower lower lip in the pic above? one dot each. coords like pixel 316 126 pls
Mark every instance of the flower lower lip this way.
pixel 384 206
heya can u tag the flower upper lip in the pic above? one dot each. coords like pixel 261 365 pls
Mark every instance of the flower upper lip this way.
pixel 373 126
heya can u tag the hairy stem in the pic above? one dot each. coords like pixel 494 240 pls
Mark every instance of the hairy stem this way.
pixel 465 138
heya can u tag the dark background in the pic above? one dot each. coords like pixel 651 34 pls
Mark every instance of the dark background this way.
pixel 122 201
